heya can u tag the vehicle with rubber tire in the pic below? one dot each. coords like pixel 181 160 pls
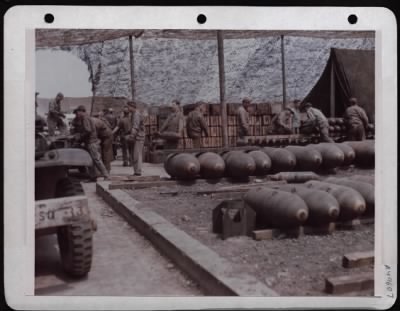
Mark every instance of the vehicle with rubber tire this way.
pixel 61 206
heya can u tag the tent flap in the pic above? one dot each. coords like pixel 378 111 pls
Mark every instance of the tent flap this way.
pixel 348 73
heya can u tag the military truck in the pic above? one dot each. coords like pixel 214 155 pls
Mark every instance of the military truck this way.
pixel 61 206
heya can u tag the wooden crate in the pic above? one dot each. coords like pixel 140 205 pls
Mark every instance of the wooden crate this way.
pixel 213 142
pixel 232 130
pixel 181 143
pixel 266 119
pixel 252 109
pixel 264 130
pixel 210 121
pixel 153 120
pixel 153 129
pixel 215 109
pixel 232 108
pixel 205 142
pixel 215 131
pixel 263 108
pixel 232 120
pixel 188 143
pixel 218 141
pixel 214 120
pixel 257 130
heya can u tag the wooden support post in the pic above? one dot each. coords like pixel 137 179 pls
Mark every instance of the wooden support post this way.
pixel 224 119
pixel 332 95
pixel 92 103
pixel 132 63
pixel 283 72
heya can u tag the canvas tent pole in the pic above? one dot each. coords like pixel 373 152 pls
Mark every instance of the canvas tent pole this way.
pixel 332 95
pixel 283 72
pixel 132 65
pixel 220 42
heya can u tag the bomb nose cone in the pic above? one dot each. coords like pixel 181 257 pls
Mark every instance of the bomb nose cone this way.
pixel 302 215
pixel 333 212
pixel 192 168
pixel 317 159
pixel 218 166
pixel 360 208
pixel 250 166
pixel 265 164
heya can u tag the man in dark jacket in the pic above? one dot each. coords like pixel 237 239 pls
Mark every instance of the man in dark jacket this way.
pixel 356 120
pixel 172 129
pixel 123 128
pixel 196 124
pixel 85 132
pixel 105 134
pixel 55 116
pixel 318 121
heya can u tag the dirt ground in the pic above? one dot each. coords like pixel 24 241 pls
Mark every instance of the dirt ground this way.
pixel 291 266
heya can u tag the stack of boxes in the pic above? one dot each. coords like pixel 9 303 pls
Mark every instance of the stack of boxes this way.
pixel 260 120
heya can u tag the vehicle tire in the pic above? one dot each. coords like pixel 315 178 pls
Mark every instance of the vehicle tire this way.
pixel 74 241
pixel 78 187
pixel 65 188
pixel 83 170
pixel 76 248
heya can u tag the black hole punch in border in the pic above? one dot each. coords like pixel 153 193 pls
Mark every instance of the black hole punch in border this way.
pixel 352 19
pixel 49 18
pixel 201 18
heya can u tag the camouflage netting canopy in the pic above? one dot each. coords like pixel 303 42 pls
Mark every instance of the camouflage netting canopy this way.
pixel 62 37
pixel 183 64
pixel 348 73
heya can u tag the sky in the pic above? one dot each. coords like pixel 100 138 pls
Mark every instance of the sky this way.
pixel 60 71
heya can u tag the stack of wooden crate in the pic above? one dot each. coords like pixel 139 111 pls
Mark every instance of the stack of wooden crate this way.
pixel 260 121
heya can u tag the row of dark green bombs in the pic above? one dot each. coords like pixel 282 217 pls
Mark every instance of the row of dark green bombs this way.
pixel 314 203
pixel 266 160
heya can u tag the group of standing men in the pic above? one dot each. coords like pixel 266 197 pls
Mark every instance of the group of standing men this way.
pixel 172 128
pixel 97 133
pixel 289 120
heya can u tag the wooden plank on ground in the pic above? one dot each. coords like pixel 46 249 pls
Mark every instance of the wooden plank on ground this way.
pixel 315 230
pixel 240 188
pixel 134 178
pixel 141 185
pixel 348 225
pixel 227 195
pixel 349 283
pixel 358 259
pixel 268 234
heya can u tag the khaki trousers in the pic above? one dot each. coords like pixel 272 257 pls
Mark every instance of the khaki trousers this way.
pixel 107 154
pixel 94 151
pixel 137 156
